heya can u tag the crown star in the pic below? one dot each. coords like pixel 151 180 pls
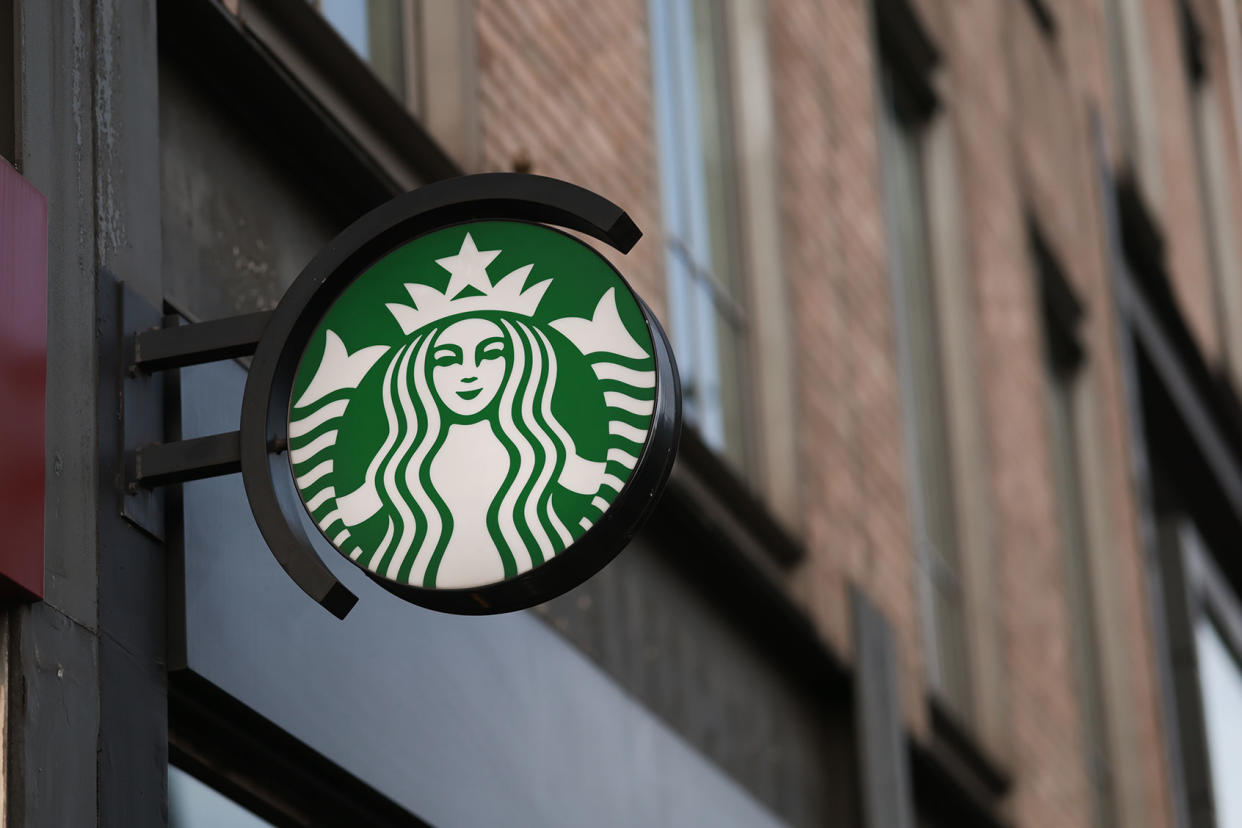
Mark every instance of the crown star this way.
pixel 510 294
pixel 468 268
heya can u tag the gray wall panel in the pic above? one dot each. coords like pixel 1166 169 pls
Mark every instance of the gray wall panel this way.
pixel 53 770
pixel 53 717
pixel 55 146
pixel 237 226
pixel 678 651
pixel 465 721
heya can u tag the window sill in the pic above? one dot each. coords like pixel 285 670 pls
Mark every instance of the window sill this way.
pixel 955 774
pixel 714 487
pixel 340 119
pixel 726 543
pixel 345 86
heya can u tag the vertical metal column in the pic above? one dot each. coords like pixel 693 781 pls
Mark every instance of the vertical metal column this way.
pixel 883 761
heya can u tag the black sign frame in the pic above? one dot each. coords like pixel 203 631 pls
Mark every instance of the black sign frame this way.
pixel 266 473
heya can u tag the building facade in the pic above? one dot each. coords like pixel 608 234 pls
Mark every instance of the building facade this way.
pixel 955 291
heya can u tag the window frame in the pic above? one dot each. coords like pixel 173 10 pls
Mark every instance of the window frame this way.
pixel 1133 94
pixel 1071 431
pixel 405 147
pixel 941 566
pixel 1213 187
pixel 686 216
pixel 248 759
pixel 1196 589
pixel 976 732
pixel 407 53
pixel 908 104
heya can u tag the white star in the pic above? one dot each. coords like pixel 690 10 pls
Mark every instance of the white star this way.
pixel 468 267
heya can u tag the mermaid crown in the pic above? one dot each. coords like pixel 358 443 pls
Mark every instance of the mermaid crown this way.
pixel 468 269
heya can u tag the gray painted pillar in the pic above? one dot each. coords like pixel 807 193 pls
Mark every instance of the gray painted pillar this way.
pixel 54 706
pixel 87 711
pixel 883 761
pixel 133 683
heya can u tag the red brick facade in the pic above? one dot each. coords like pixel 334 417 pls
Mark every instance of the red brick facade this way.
pixel 1018 100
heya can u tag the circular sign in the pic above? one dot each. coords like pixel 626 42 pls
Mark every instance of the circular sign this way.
pixel 473 416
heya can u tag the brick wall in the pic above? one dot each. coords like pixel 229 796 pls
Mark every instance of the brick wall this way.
pixel 565 89
pixel 857 522
pixel 1178 205
pixel 566 86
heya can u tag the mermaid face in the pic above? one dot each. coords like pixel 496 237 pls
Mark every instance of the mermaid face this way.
pixel 469 359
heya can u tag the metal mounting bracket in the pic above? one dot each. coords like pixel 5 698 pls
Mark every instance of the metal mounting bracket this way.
pixel 161 464
pixel 142 399
pixel 174 345
pixel 154 344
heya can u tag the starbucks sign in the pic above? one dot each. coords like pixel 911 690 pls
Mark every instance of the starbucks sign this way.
pixel 471 405
pixel 479 413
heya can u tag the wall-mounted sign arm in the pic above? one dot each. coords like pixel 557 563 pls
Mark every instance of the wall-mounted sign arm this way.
pixel 163 464
pixel 177 346
pixel 151 466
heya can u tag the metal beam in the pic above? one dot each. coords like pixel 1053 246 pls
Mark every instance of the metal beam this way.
pixel 184 460
pixel 884 765
pixel 176 346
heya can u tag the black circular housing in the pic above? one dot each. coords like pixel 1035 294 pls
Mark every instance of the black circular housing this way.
pixel 273 497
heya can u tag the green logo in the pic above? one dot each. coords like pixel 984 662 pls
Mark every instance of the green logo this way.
pixel 471 404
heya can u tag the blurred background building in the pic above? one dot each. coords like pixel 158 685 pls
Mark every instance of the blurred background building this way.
pixel 955 287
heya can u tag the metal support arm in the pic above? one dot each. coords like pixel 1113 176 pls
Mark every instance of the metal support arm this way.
pixel 152 344
pixel 176 346
pixel 162 464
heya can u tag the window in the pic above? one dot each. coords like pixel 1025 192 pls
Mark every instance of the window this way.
pixel 1220 681
pixel 1212 171
pixel 1064 357
pixel 193 804
pixel 376 30
pixel 708 322
pixel 1205 621
pixel 905 117
pixel 397 76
